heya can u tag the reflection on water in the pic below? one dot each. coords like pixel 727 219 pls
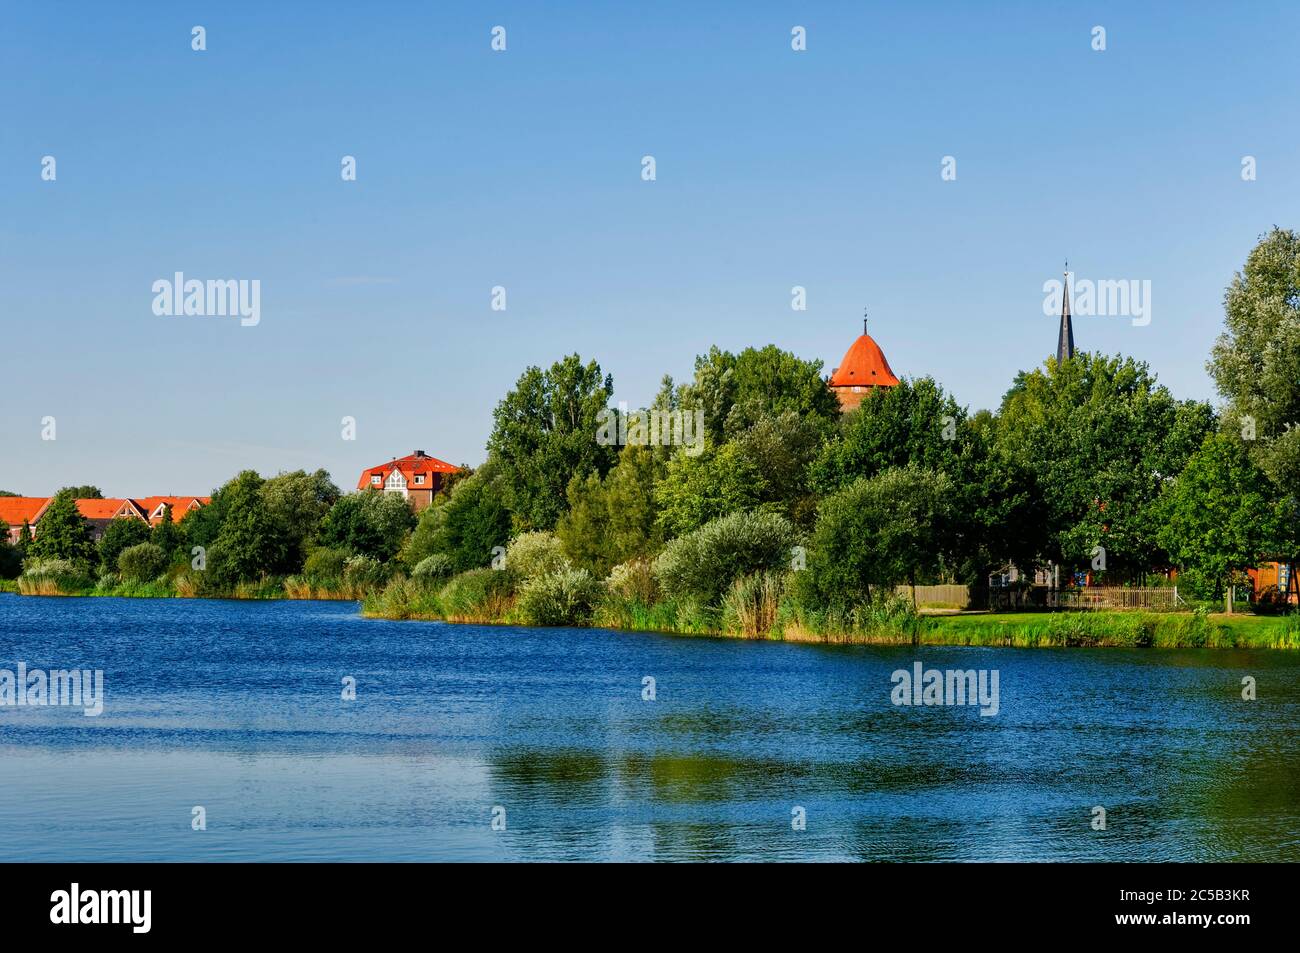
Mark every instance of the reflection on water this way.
pixel 236 707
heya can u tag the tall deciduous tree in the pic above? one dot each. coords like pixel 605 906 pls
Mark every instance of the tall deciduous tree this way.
pixel 63 532
pixel 467 526
pixel 1219 514
pixel 544 434
pixel 247 545
pixel 1256 367
pixel 1098 436
pixel 736 390
pixel 878 532
pixel 120 534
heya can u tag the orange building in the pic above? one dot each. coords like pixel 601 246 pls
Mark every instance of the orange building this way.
pixel 416 478
pixel 16 510
pixel 863 369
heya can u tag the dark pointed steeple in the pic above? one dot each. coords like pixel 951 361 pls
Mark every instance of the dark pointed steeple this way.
pixel 1065 339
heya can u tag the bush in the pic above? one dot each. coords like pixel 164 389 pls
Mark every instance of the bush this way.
pixel 564 597
pixel 634 581
pixel 142 562
pixel 437 566
pixel 11 559
pixel 363 572
pixel 53 577
pixel 1271 601
pixel 702 564
pixel 531 555
pixel 325 565
pixel 479 595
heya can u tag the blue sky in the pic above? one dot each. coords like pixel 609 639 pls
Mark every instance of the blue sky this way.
pixel 522 169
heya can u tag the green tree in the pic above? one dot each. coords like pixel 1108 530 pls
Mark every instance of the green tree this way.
pixel 297 503
pixel 736 390
pixel 369 523
pixel 1098 436
pixel 880 531
pixel 247 545
pixel 86 492
pixel 699 489
pixel 544 434
pixel 120 534
pixel 11 557
pixel 1220 514
pixel 1256 367
pixel 64 533
pixel 167 535
pixel 612 520
pixel 702 564
pixel 466 527
pixel 141 562
pixel 997 518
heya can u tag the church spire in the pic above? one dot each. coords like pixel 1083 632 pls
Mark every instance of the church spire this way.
pixel 1065 338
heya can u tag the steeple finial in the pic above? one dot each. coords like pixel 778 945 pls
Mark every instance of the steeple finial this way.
pixel 864 320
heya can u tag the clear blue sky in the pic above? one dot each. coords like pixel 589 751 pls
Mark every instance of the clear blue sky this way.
pixel 522 169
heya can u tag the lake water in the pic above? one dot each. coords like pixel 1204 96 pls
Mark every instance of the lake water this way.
pixel 236 707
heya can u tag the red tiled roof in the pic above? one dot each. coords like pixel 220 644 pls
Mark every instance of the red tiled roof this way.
pixel 417 463
pixel 108 509
pixel 180 506
pixel 864 365
pixel 15 510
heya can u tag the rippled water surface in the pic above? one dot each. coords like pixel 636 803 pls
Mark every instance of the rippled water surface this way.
pixel 236 707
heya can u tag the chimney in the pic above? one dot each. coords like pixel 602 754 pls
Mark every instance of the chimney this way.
pixel 420 453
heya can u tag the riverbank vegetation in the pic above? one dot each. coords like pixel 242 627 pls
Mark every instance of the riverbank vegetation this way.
pixel 744 502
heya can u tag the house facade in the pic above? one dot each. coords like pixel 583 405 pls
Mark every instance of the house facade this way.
pixel 416 478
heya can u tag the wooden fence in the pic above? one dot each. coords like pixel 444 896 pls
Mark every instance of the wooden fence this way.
pixel 957 597
pixel 1093 597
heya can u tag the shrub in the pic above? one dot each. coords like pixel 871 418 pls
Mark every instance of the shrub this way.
pixel 362 572
pixel 563 597
pixel 479 595
pixel 1271 601
pixel 53 577
pixel 325 565
pixel 142 562
pixel 634 581
pixel 11 558
pixel 704 563
pixel 535 554
pixel 437 566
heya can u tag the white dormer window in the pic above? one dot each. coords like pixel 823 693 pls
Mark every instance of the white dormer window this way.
pixel 419 479
pixel 376 479
pixel 395 481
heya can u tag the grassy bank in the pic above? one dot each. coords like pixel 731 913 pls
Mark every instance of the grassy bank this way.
pixel 488 597
pixel 180 588
pixel 893 624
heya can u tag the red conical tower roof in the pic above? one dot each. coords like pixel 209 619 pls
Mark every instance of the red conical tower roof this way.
pixel 864 367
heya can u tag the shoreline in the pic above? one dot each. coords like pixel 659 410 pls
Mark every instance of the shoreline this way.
pixel 1058 629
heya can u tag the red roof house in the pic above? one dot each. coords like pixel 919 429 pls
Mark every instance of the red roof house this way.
pixel 153 506
pixel 16 510
pixel 416 477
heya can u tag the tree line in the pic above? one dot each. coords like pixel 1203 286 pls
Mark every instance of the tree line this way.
pixel 1085 457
